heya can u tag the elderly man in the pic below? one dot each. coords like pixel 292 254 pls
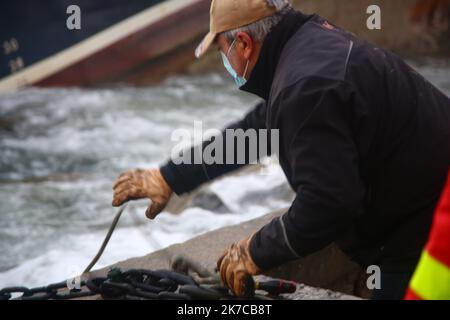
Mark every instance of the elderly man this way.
pixel 364 143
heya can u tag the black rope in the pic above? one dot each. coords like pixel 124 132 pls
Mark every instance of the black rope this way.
pixel 135 284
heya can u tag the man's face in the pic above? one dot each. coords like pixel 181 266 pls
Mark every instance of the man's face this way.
pixel 241 52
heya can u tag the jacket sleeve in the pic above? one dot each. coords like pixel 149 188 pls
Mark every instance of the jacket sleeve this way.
pixel 314 118
pixel 184 178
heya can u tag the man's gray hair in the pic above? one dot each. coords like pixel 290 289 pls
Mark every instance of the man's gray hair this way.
pixel 259 29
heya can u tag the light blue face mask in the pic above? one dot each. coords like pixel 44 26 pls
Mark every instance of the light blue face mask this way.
pixel 240 80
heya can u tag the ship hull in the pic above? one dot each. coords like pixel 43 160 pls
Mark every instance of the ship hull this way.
pixel 140 45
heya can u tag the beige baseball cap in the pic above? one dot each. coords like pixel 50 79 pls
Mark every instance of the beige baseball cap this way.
pixel 227 15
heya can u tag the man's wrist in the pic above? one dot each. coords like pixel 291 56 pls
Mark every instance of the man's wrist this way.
pixel 164 184
pixel 168 174
pixel 255 269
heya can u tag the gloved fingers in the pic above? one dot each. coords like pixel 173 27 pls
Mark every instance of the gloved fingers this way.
pixel 119 199
pixel 241 280
pixel 154 210
pixel 124 174
pixel 122 179
pixel 223 269
pixel 124 187
pixel 230 266
pixel 220 260
pixel 127 195
pixel 237 284
pixel 235 253
pixel 134 175
pixel 230 274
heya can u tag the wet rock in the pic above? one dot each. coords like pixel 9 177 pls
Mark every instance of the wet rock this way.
pixel 278 193
pixel 208 200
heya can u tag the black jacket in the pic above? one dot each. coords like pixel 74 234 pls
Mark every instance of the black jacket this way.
pixel 364 142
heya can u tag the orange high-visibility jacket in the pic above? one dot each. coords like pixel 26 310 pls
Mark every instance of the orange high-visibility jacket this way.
pixel 431 280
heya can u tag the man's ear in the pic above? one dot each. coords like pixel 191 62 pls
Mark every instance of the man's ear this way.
pixel 245 43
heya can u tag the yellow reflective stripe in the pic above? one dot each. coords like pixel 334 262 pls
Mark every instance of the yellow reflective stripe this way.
pixel 432 279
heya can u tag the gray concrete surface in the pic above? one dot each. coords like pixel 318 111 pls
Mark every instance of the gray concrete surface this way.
pixel 328 269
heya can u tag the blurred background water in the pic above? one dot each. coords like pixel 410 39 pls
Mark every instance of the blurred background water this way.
pixel 62 149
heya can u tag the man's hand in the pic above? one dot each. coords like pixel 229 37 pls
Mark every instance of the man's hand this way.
pixel 141 184
pixel 236 266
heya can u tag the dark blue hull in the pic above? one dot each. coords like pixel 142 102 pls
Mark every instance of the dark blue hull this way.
pixel 32 30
